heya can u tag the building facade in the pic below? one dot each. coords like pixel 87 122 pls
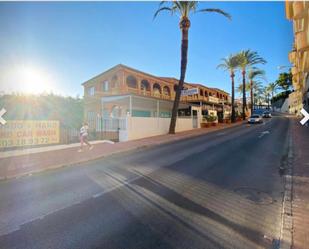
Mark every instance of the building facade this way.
pixel 122 80
pixel 298 13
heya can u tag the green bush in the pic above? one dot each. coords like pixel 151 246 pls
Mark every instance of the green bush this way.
pixel 210 118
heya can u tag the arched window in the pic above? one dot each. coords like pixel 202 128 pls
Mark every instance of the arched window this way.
pixel 114 82
pixel 145 86
pixel 105 86
pixel 116 111
pixel 210 94
pixel 217 95
pixel 206 94
pixel 201 92
pixel 166 91
pixel 131 81
pixel 156 89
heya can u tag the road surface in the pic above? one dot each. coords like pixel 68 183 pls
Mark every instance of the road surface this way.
pixel 221 190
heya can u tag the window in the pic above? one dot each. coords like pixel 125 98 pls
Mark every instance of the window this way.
pixel 90 91
pixel 131 81
pixel 105 86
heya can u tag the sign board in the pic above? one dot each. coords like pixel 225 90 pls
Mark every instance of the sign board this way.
pixel 213 99
pixel 188 92
pixel 17 133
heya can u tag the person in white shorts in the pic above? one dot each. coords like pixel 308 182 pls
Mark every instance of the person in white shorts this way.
pixel 83 136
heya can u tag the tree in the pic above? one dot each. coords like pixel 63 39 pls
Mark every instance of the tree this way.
pixel 266 92
pixel 230 64
pixel 272 87
pixel 253 75
pixel 247 58
pixel 285 81
pixel 183 9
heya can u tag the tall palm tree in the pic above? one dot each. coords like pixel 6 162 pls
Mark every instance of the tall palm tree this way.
pixel 183 9
pixel 273 87
pixel 257 87
pixel 247 59
pixel 230 64
pixel 253 75
pixel 266 92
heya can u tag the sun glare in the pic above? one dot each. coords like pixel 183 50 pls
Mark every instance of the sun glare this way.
pixel 33 80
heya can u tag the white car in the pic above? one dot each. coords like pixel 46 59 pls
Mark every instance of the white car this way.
pixel 255 119
pixel 267 114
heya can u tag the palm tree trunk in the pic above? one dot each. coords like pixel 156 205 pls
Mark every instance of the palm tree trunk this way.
pixel 184 25
pixel 244 102
pixel 251 95
pixel 233 99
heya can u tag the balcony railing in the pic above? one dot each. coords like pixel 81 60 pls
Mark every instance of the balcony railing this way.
pixel 302 41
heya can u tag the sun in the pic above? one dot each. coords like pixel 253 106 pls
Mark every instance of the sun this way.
pixel 33 80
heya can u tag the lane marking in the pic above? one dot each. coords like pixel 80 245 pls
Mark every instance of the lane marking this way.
pixel 263 134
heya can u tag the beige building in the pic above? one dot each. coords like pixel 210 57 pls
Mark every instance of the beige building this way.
pixel 123 80
pixel 138 104
pixel 298 12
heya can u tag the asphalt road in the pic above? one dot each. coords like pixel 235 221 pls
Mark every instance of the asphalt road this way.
pixel 220 190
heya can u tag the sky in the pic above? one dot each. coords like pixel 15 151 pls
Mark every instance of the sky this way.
pixel 56 46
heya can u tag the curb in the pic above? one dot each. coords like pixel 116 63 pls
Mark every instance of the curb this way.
pixel 286 232
pixel 143 146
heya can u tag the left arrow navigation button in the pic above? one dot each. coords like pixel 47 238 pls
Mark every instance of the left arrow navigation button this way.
pixel 2 112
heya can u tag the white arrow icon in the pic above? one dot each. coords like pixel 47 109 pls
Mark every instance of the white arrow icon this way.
pixel 2 121
pixel 306 116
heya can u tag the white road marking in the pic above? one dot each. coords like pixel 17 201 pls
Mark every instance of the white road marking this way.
pixel 221 133
pixel 263 134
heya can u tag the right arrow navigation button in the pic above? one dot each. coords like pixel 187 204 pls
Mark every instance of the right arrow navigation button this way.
pixel 306 116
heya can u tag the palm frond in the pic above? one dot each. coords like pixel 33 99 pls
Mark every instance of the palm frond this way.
pixel 162 9
pixel 229 63
pixel 219 11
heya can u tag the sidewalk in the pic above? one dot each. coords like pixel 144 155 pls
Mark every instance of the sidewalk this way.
pixel 300 203
pixel 22 162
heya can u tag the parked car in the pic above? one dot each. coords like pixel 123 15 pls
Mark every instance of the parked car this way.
pixel 266 114
pixel 255 119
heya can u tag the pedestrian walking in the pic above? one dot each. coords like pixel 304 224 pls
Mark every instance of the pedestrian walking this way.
pixel 83 136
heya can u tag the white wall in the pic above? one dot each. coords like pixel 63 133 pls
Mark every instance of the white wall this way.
pixel 184 124
pixel 140 127
pixel 285 105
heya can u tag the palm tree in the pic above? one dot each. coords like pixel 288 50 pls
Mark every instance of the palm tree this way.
pixel 183 9
pixel 266 92
pixel 272 87
pixel 247 58
pixel 230 64
pixel 252 76
pixel 257 91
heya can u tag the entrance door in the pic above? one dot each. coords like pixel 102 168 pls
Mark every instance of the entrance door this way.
pixel 194 118
pixel 110 128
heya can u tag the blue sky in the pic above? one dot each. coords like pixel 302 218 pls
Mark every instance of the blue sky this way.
pixel 62 45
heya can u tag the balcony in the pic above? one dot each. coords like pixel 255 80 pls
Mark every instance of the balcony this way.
pixel 299 10
pixel 133 90
pixel 294 71
pixel 292 57
pixel 302 41
pixel 305 62
pixel 214 99
pixel 145 93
